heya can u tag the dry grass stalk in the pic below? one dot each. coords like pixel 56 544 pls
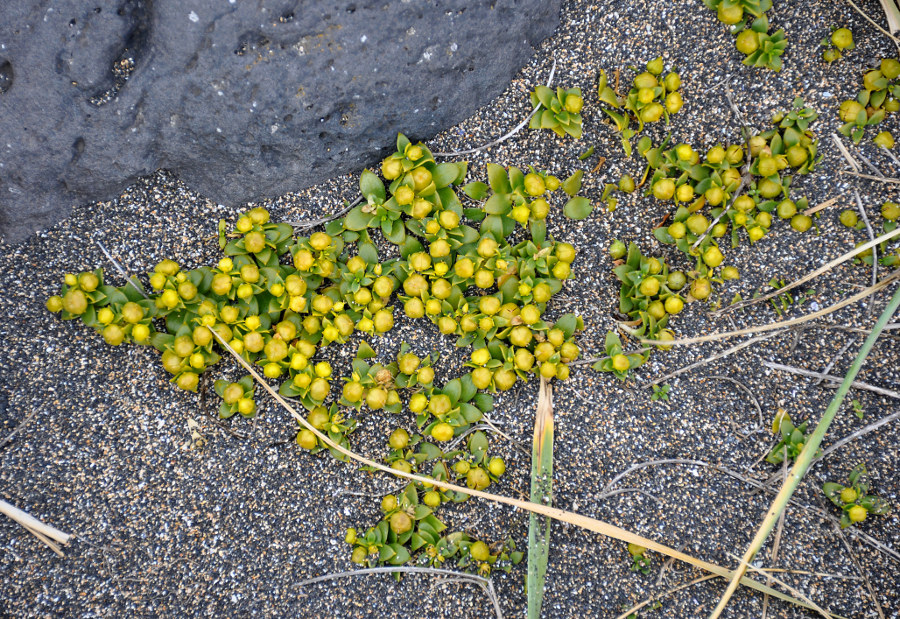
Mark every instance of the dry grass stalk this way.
pixel 805 459
pixel 799 282
pixel 821 206
pixel 50 536
pixel 866 292
pixel 590 524
pixel 514 131
pixel 541 492
pixel 834 379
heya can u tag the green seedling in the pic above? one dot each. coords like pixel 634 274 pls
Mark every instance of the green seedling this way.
pixel 793 438
pixel 854 500
pixel 558 111
pixel 652 97
pixel 749 24
pixel 841 39
pixel 236 397
pixel 640 562
pixel 660 393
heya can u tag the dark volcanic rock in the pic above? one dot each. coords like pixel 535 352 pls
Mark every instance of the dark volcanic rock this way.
pixel 243 100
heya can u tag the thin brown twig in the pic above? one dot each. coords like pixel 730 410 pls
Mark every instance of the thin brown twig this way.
pixel 834 360
pixel 846 153
pixel 874 23
pixel 809 276
pixel 18 428
pixel 595 359
pixel 585 522
pixel 822 205
pixel 865 218
pixel 47 541
pixel 890 154
pixel 834 379
pixel 51 536
pixel 870 165
pixel 746 390
pixel 503 138
pixel 758 485
pixel 776 543
pixel 129 279
pixel 797 593
pixel 715 357
pixel 305 225
pixel 855 435
pixel 883 179
pixel 485 583
pixel 866 292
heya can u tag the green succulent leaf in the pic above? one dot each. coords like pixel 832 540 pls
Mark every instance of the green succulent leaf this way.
pixel 578 208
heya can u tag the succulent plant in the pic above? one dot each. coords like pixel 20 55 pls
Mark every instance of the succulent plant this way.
pixel 880 96
pixel 560 111
pixel 854 500
pixel 237 397
pixel 651 98
pixel 748 22
pixel 841 39
pixel 278 299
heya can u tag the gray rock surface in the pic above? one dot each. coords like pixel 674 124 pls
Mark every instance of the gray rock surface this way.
pixel 243 100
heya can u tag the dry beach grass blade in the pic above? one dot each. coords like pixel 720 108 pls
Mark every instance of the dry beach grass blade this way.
pixel 584 522
pixel 51 536
pixel 807 455
pixel 892 14
pixel 542 493
pixel 799 282
pixel 866 292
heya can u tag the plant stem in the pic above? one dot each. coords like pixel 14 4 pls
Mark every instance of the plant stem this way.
pixel 542 493
pixel 806 457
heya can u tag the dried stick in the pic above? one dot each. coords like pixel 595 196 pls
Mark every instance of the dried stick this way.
pixel 834 379
pixel 809 276
pixel 484 426
pixel 746 390
pixel 595 359
pixel 865 218
pixel 776 543
pixel 18 428
pixel 874 23
pixel 806 456
pixel 714 357
pixel 131 279
pixel 870 165
pixel 485 583
pixel 305 225
pixel 518 128
pixel 866 292
pixel 890 154
pixel 591 524
pixel 883 179
pixel 822 206
pixel 854 166
pixel 758 485
pixel 794 591
pixel 869 428
pixel 44 532
pixel 833 361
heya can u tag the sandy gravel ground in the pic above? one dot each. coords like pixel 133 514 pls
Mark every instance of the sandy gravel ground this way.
pixel 232 528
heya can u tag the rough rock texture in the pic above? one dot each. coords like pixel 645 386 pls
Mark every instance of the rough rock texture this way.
pixel 243 100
